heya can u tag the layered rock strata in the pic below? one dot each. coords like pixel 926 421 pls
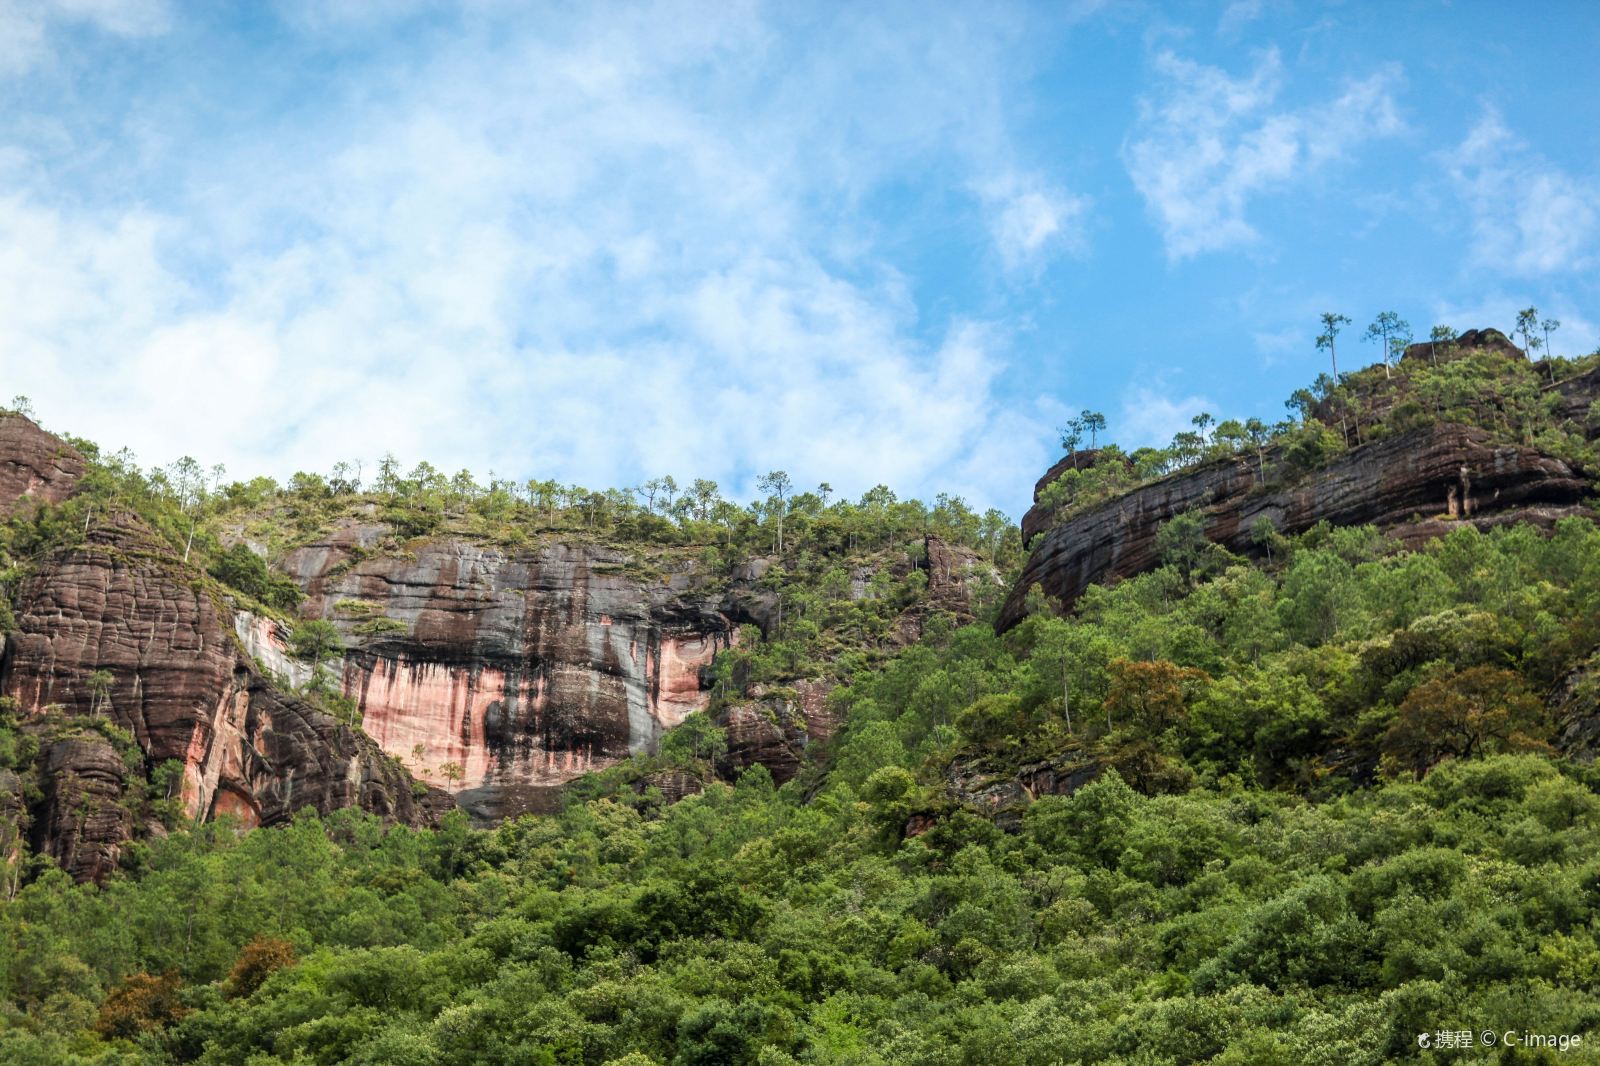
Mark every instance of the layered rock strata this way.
pixel 181 683
pixel 1416 486
pixel 34 465
pixel 501 675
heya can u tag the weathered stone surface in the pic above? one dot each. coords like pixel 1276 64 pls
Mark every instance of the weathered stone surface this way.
pixel 952 571
pixel 34 465
pixel 1471 342
pixel 499 675
pixel 1006 794
pixel 776 728
pixel 1575 400
pixel 82 822
pixel 181 683
pixel 674 784
pixel 1575 709
pixel 1415 485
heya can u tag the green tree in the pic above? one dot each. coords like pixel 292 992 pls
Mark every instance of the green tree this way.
pixel 1259 434
pixel 1181 543
pixel 1528 325
pixel 1438 335
pixel 1326 340
pixel 1071 437
pixel 99 685
pixel 1548 326
pixel 1095 423
pixel 777 485
pixel 1384 330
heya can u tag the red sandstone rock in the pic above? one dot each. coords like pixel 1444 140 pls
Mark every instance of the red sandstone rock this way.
pixel 34 465
pixel 122 602
pixel 776 729
pixel 83 822
pixel 502 675
pixel 1405 485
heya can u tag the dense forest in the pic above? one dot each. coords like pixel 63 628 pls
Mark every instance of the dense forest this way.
pixel 1324 798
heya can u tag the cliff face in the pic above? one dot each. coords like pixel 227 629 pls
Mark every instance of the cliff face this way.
pixel 83 822
pixel 500 676
pixel 1415 486
pixel 776 728
pixel 34 465
pixel 124 604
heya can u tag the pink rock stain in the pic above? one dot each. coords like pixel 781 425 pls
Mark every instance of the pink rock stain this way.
pixel 430 715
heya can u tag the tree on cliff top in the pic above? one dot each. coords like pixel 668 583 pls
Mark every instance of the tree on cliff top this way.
pixel 777 485
pixel 1387 328
pixel 1527 324
pixel 1330 332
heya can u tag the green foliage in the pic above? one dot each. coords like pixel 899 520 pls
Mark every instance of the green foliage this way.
pixel 315 641
pixel 246 571
pixel 751 926
pixel 1315 807
pixel 696 739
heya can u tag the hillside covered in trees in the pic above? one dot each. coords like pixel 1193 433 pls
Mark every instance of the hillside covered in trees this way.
pixel 1296 797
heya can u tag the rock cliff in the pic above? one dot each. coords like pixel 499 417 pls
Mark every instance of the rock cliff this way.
pixel 500 675
pixel 34 465
pixel 1415 486
pixel 776 728
pixel 180 682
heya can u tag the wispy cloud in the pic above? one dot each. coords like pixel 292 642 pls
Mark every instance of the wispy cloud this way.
pixel 27 27
pixel 1527 214
pixel 1207 143
pixel 544 256
pixel 1029 219
pixel 1152 415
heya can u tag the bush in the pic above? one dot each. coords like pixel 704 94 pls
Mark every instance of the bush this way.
pixel 142 1003
pixel 257 961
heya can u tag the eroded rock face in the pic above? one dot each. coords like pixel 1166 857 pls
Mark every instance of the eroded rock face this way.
pixel 1575 708
pixel 34 465
pixel 1471 342
pixel 775 729
pixel 500 676
pixel 1416 486
pixel 83 822
pixel 182 684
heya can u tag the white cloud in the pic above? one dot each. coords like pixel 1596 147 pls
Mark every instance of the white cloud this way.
pixel 1151 416
pixel 1029 219
pixel 28 26
pixel 1239 14
pixel 1527 215
pixel 543 257
pixel 1207 143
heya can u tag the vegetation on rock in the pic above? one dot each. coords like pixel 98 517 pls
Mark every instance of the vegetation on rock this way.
pixel 1287 809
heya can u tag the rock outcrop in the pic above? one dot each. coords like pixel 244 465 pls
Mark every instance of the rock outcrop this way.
pixel 34 465
pixel 83 822
pixel 1472 342
pixel 123 604
pixel 501 675
pixel 1005 793
pixel 776 728
pixel 1415 486
pixel 1575 708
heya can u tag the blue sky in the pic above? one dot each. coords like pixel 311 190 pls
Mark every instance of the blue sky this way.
pixel 863 243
